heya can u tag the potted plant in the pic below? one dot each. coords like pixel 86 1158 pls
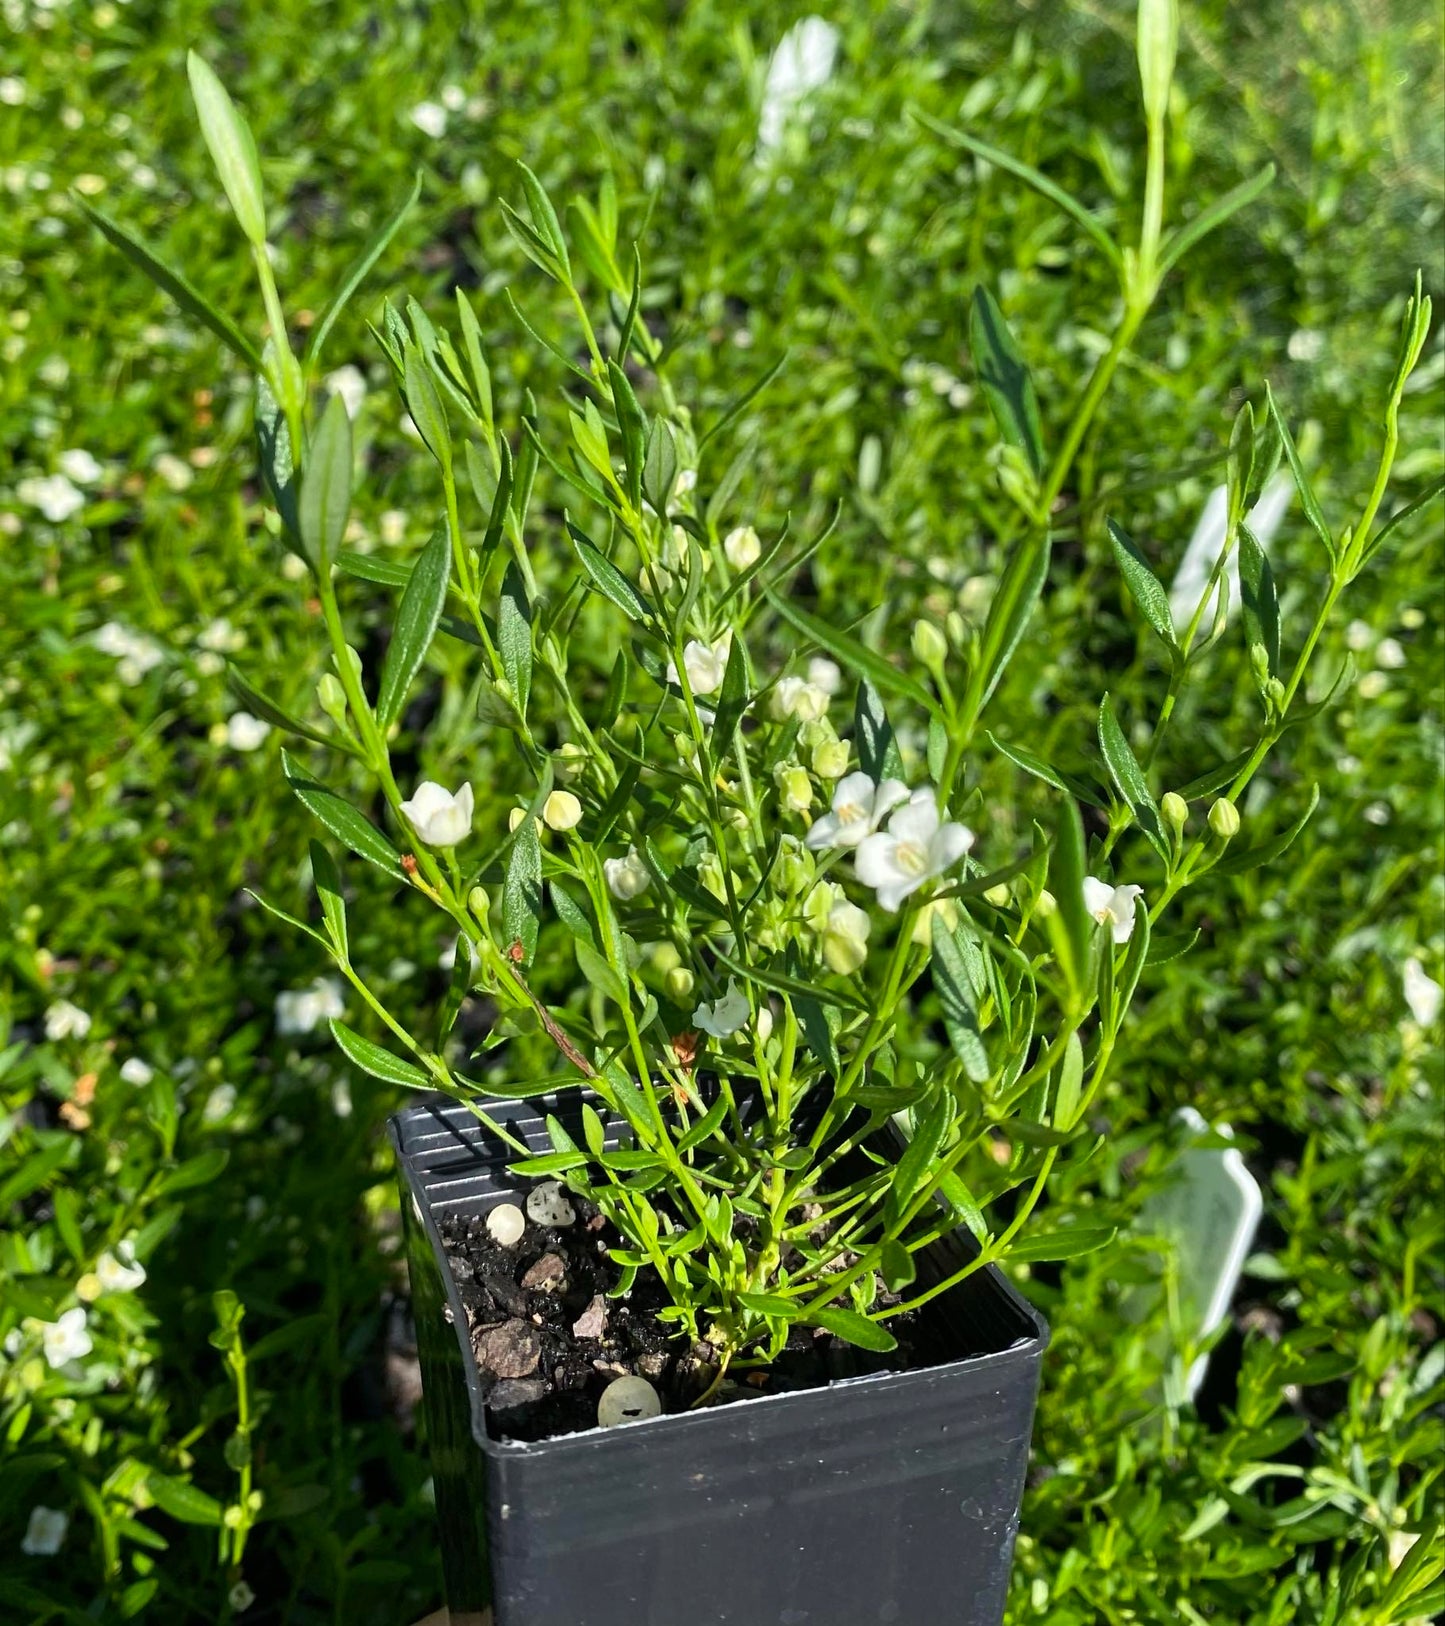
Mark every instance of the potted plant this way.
pixel 784 1032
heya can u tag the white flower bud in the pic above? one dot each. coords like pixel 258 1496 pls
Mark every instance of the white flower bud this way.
pixel 795 789
pixel 562 811
pixel 627 878
pixel 1224 819
pixel 742 548
pixel 439 818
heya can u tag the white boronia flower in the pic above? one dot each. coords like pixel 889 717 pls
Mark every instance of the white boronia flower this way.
pixel 797 697
pixel 859 807
pixel 1422 993
pixel 119 1272
pixel 219 635
pixel 705 664
pixel 1112 906
pixel 802 63
pixel 245 732
pixel 134 1071
pixel 918 845
pixel 174 471
pixel 825 674
pixel 219 1104
pixel 561 811
pixel 430 118
pixel 54 495
pixel 45 1532
pixel 439 818
pixel 349 382
pixel 742 548
pixel 724 1016
pixel 627 878
pixel 65 1339
pixel 66 1021
pixel 1390 654
pixel 303 1010
pixel 79 465
pixel 1205 546
pixel 136 653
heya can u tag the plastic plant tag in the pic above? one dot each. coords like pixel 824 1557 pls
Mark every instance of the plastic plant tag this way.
pixel 1207 1212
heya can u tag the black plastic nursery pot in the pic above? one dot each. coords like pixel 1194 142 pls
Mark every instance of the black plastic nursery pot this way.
pixel 888 1497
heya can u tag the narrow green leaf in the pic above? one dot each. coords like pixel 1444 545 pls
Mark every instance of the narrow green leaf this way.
pixel 1144 586
pixel 183 1500
pixel 1128 778
pixel 1308 501
pixel 706 1126
pixel 961 1200
pixel 607 578
pixel 549 1163
pixel 342 819
pixel 326 487
pixel 522 891
pixel 859 659
pixel 282 914
pixel 1069 783
pixel 659 471
pixel 1004 376
pixel 1237 862
pixel 1258 598
pixel 259 706
pixel 1068 1092
pixel 358 272
pixel 1013 604
pixel 327 879
pixel 743 402
pixel 232 148
pixel 1071 926
pixel 1402 516
pixel 781 983
pixel 633 427
pixel 853 1328
pixel 897 1266
pixel 417 617
pixel 878 753
pixel 1035 1246
pixel 732 697
pixel 1212 216
pixel 917 1158
pixel 544 218
pixel 372 567
pixel 770 1304
pixel 818 1035
pixel 514 636
pixel 372 1058
pixel 424 403
pixel 600 974
pixel 959 1000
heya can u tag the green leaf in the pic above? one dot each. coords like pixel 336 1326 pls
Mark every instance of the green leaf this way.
pixel 327 880
pixel 182 1500
pixel 358 272
pixel 326 487
pixel 864 662
pixel 918 1157
pixel 544 219
pixel 659 472
pixel 232 147
pixel 417 617
pixel 813 1018
pixel 770 1304
pixel 1258 599
pixel 600 974
pixel 956 995
pixel 372 567
pixel 1308 501
pixel 1068 1093
pixel 781 983
pixel 1013 604
pixel 424 404
pixel 743 402
pixel 706 1126
pixel 897 1266
pixel 1212 216
pixel 1069 783
pixel 1403 516
pixel 853 1328
pixel 549 1163
pixel 195 1171
pixel 175 283
pixel 1066 1244
pixel 1237 862
pixel 1004 377
pixel 522 891
pixel 342 820
pixel 732 697
pixel 1128 777
pixel 514 636
pixel 259 706
pixel 380 1063
pixel 1144 586
pixel 961 1200
pixel 1071 926
pixel 607 578
pixel 633 426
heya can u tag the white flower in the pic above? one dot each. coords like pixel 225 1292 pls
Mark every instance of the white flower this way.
pixel 218 1104
pixel 349 383
pixel 1372 685
pixel 802 63
pixel 303 1010
pixel 66 1021
pixel 136 654
pixel 859 807
pixel 174 471
pixel 119 1272
pixel 134 1071
pixel 825 674
pixel 241 1597
pixel 341 1098
pixel 430 118
pixel 796 697
pixel 221 637
pixel 627 878
pixel 1205 546
pixel 1422 993
pixel 686 482
pixel 742 548
pixel 1390 653
pixel 65 1339
pixel 439 818
pixel 705 664
pixel 12 91
pixel 245 732
pixel 80 466
pixel 918 845
pixel 845 938
pixel 53 495
pixel 1359 635
pixel 724 1016
pixel 1112 906
pixel 45 1532
pixel 561 811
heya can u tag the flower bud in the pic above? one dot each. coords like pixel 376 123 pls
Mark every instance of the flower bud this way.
pixel 88 1288
pixel 795 789
pixel 819 904
pixel 1224 819
pixel 664 957
pixel 956 628
pixel 742 548
pixel 1175 810
pixel 998 895
pixel 562 811
pixel 1045 904
pixel 709 872
pixel 763 1023
pixel 845 938
pixel 515 817
pixel 1158 45
pixel 678 983
pixel 479 903
pixel 830 759
pixel 794 869
pixel 929 645
pixel 331 697
pixel 628 877
pixel 571 759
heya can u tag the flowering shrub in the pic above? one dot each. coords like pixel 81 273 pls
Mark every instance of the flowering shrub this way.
pixel 786 936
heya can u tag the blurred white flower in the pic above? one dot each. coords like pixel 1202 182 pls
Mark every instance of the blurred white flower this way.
pixel 561 811
pixel 65 1021
pixel 796 697
pixel 349 382
pixel 1112 906
pixel 303 1010
pixel 802 63
pixel 686 482
pixel 219 635
pixel 341 1098
pixel 825 674
pixel 245 732
pixel 627 878
pixel 12 91
pixel 918 845
pixel 65 1338
pixel 705 664
pixel 1422 993
pixel 219 1104
pixel 1390 654
pixel 135 653
pixel 845 938
pixel 174 471
pixel 859 807
pixel 46 1529
pixel 430 118
pixel 80 466
pixel 119 1272
pixel 52 494
pixel 1205 546
pixel 724 1016
pixel 392 527
pixel 1359 635
pixel 134 1071
pixel 439 818
pixel 241 1597
pixel 1372 685
pixel 742 548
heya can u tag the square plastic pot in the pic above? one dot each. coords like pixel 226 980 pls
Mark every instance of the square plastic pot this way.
pixel 892 1497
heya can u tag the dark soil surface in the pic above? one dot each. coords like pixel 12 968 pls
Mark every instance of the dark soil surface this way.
pixel 548 1340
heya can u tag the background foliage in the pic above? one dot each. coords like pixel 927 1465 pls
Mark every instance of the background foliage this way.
pixel 131 816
